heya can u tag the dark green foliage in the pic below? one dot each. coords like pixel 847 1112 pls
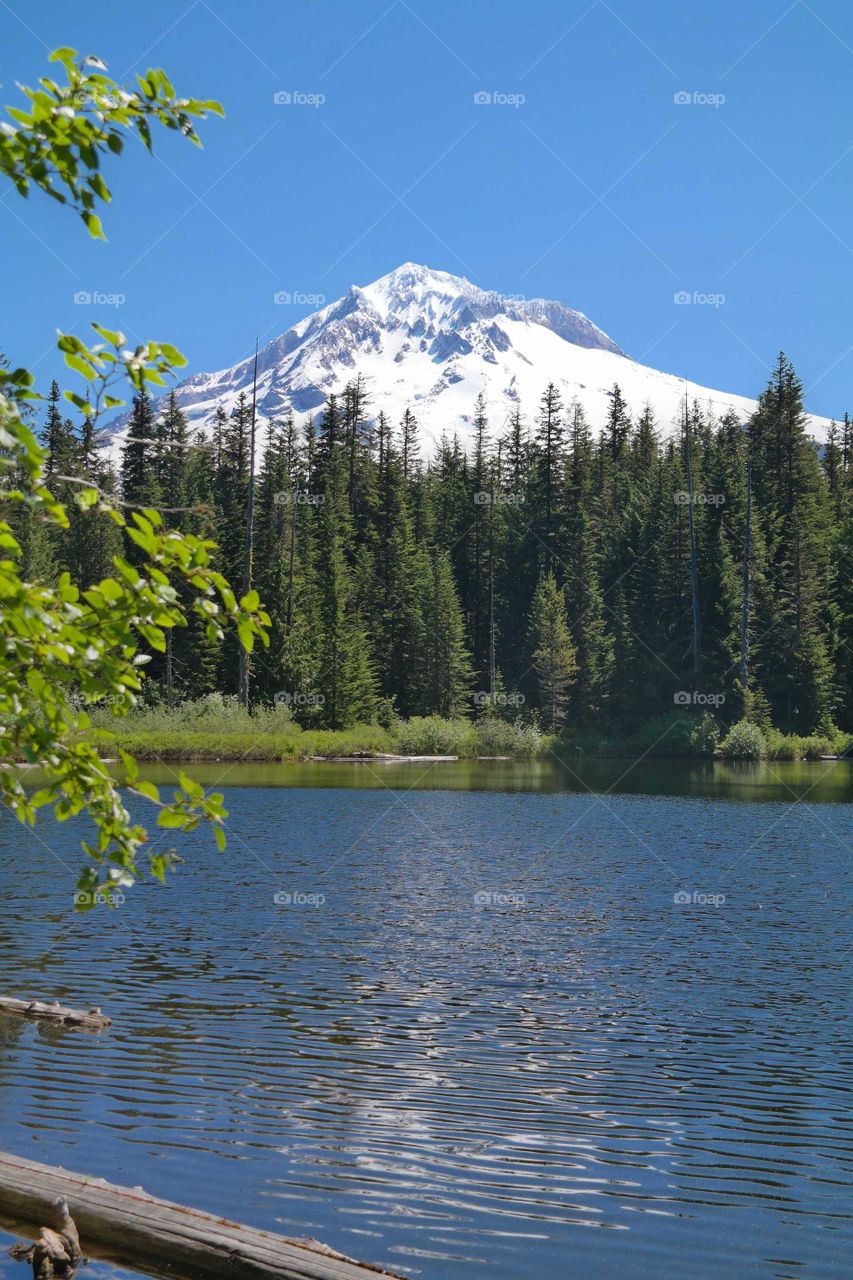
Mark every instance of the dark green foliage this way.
pixel 552 654
pixel 549 569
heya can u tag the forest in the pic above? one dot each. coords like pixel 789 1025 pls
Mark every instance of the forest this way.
pixel 591 578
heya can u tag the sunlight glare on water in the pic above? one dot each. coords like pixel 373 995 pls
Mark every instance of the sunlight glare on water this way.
pixel 460 1032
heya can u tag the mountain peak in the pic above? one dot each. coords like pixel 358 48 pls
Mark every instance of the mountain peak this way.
pixel 419 273
pixel 431 341
pixel 412 291
pixel 413 283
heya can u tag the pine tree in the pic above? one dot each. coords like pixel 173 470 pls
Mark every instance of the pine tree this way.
pixel 92 538
pixel 172 460
pixel 792 661
pixel 347 681
pixel 482 489
pixel 618 427
pixel 587 621
pixel 398 626
pixel 410 444
pixel 139 456
pixel 446 675
pixel 553 654
pixel 57 438
pixel 548 472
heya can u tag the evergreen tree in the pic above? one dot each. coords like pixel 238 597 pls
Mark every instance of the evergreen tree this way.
pixel 347 682
pixel 410 444
pixel 397 590
pixel 792 660
pixel 139 456
pixel 57 438
pixel 587 620
pixel 446 667
pixel 553 654
pixel 548 458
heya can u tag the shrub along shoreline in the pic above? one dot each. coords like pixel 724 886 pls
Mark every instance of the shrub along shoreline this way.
pixel 216 728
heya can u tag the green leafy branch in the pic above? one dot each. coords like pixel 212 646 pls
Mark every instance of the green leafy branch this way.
pixel 62 647
pixel 58 143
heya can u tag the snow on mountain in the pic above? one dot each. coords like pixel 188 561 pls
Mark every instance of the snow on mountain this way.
pixel 432 342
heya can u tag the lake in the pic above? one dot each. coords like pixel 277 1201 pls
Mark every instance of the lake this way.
pixel 473 1019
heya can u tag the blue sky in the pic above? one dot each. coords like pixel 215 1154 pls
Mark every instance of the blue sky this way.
pixel 598 189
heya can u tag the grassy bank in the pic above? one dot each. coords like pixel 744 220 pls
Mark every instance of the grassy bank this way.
pixel 686 735
pixel 216 728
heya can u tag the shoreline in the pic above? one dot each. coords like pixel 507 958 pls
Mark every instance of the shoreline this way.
pixel 582 757
pixel 167 756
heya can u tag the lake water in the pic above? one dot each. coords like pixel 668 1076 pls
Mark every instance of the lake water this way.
pixel 460 1020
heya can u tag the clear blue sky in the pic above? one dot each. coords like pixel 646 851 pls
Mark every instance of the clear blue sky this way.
pixel 598 190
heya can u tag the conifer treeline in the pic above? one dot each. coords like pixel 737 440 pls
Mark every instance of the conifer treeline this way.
pixel 547 571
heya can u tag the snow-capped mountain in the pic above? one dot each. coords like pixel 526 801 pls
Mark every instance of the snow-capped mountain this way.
pixel 432 342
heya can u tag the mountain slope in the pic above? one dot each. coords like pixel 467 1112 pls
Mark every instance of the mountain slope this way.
pixel 432 341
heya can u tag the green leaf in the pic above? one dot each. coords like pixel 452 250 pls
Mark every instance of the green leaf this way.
pixel 93 223
pixel 170 818
pixel 246 635
pixel 63 54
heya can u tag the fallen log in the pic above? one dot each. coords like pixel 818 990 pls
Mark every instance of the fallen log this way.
pixel 131 1228
pixel 55 1012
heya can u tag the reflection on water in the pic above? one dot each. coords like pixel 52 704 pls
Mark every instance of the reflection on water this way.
pixel 814 780
pixel 481 1037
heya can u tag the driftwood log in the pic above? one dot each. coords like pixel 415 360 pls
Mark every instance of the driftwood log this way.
pixel 55 1012
pixel 55 1255
pixel 134 1229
